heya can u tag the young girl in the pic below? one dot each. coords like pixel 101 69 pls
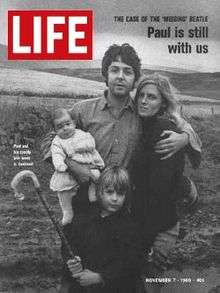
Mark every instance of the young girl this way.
pixel 107 241
pixel 79 146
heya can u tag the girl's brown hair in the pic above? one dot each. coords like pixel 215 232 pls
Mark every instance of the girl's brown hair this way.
pixel 114 177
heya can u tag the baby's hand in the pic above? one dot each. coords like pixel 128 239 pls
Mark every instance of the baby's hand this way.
pixel 74 265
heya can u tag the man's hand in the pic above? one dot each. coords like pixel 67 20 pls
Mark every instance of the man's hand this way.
pixel 172 144
pixel 88 278
pixel 81 172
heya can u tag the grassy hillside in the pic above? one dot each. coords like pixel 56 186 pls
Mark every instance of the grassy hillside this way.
pixel 189 83
pixel 205 85
pixel 35 83
pixel 65 82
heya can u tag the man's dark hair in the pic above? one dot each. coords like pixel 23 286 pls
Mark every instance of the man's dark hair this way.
pixel 128 55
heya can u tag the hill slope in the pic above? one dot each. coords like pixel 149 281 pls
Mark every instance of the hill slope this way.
pixel 35 83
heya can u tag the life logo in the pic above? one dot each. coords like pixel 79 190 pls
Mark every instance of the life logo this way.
pixel 50 34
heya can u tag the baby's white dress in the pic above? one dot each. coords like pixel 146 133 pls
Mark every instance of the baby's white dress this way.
pixel 80 148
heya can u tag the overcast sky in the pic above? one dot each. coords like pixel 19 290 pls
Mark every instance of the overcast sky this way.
pixel 152 51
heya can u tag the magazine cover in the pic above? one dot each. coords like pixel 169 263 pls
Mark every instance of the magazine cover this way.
pixel 109 139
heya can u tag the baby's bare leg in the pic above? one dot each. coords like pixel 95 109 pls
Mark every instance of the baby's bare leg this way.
pixel 65 200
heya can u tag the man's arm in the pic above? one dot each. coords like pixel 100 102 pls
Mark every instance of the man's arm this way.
pixel 81 172
pixel 171 144
pixel 176 141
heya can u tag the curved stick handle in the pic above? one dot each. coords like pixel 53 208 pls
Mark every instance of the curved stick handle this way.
pixel 29 174
pixel 19 177
pixel 24 174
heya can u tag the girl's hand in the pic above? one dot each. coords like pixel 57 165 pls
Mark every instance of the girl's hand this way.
pixel 74 265
pixel 88 278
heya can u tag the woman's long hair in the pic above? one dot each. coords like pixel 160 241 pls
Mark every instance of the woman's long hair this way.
pixel 170 104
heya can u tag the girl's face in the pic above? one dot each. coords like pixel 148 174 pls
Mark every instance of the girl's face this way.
pixel 64 126
pixel 149 101
pixel 111 201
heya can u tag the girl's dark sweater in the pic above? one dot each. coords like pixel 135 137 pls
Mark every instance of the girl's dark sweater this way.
pixel 110 246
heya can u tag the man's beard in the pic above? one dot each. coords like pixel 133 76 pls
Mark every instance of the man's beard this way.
pixel 121 95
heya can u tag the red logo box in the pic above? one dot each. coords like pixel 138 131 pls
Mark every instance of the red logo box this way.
pixel 50 34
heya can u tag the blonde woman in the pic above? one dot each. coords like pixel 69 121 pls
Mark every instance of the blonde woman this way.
pixel 158 182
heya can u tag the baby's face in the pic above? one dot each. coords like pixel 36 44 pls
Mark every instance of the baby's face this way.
pixel 64 126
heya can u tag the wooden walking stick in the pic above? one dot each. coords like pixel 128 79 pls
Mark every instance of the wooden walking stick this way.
pixel 29 174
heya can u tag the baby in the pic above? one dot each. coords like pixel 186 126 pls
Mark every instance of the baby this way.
pixel 80 147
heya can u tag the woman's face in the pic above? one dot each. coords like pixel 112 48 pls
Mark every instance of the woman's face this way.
pixel 149 101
